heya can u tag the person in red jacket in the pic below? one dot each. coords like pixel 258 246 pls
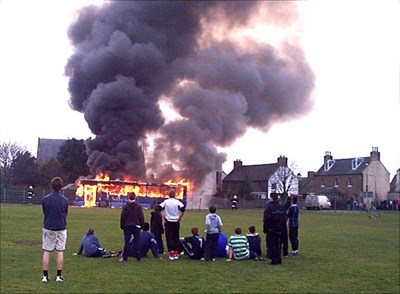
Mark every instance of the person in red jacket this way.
pixel 132 220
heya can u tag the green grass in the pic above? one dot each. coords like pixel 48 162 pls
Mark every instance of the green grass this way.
pixel 339 253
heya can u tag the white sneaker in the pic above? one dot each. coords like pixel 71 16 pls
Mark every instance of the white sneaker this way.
pixel 45 279
pixel 60 279
pixel 171 257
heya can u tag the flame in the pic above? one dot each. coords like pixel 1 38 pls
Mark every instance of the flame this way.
pixel 92 190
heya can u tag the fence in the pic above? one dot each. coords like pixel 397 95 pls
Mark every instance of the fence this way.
pixel 18 196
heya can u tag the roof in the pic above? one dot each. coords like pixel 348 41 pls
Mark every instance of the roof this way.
pixel 254 173
pixel 48 148
pixel 344 167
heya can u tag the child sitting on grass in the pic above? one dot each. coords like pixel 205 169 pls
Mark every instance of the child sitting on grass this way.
pixel 254 244
pixel 238 246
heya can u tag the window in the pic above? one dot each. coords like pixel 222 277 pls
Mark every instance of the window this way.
pixel 328 164
pixel 349 182
pixel 322 182
pixel 355 163
pixel 336 182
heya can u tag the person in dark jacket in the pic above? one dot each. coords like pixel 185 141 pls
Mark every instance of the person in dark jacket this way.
pixel 254 244
pixel 132 220
pixel 157 228
pixel 54 233
pixel 284 234
pixel 146 242
pixel 194 245
pixel 293 216
pixel 90 245
pixel 274 220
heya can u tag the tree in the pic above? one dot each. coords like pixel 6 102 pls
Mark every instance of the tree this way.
pixel 72 157
pixel 25 170
pixel 8 153
pixel 245 188
pixel 284 181
pixel 52 168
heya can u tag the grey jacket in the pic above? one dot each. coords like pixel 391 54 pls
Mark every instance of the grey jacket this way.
pixel 213 223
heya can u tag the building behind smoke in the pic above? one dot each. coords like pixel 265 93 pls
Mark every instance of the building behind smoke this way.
pixel 258 181
pixel 47 149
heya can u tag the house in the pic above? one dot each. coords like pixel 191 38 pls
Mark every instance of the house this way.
pixel 360 179
pixel 48 148
pixel 394 192
pixel 260 180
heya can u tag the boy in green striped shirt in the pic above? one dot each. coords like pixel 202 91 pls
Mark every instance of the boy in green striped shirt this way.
pixel 238 246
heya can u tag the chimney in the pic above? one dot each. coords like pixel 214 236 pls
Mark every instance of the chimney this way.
pixel 237 163
pixel 375 154
pixel 282 160
pixel 218 178
pixel 327 156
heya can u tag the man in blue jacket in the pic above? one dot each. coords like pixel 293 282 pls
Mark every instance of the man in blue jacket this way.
pixel 91 245
pixel 293 215
pixel 147 242
pixel 54 233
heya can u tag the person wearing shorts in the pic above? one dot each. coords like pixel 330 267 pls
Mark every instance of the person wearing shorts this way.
pixel 54 233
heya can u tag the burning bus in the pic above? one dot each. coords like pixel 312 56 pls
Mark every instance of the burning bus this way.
pixel 104 192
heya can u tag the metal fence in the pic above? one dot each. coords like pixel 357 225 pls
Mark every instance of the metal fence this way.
pixel 18 196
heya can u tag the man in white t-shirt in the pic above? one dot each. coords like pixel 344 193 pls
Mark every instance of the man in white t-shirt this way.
pixel 173 211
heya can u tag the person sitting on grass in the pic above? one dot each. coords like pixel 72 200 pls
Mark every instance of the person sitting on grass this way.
pixel 193 246
pixel 147 242
pixel 238 246
pixel 222 250
pixel 254 244
pixel 90 245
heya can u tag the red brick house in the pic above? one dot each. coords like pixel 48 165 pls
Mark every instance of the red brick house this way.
pixel 361 179
pixel 261 179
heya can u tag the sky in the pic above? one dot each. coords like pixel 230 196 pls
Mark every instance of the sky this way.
pixel 352 47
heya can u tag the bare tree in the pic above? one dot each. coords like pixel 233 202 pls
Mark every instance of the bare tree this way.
pixel 284 181
pixel 8 153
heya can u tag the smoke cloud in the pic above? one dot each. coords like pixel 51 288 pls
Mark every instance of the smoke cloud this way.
pixel 132 56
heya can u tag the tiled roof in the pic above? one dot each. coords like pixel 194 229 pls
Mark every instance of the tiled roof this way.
pixel 344 167
pixel 254 173
pixel 48 148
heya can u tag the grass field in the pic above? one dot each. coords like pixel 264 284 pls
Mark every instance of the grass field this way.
pixel 339 253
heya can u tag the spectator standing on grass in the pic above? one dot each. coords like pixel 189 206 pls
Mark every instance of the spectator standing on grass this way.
pixel 238 246
pixel 131 221
pixel 91 245
pixel 194 245
pixel 157 227
pixel 284 235
pixel 213 228
pixel 173 211
pixel 293 216
pixel 54 233
pixel 254 244
pixel 274 220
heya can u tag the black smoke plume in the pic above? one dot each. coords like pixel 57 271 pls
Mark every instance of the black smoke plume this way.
pixel 132 55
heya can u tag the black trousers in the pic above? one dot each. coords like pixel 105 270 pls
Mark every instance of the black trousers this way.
pixel 284 241
pixel 294 239
pixel 172 235
pixel 211 246
pixel 273 246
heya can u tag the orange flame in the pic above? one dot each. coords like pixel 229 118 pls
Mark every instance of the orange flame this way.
pixel 90 189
